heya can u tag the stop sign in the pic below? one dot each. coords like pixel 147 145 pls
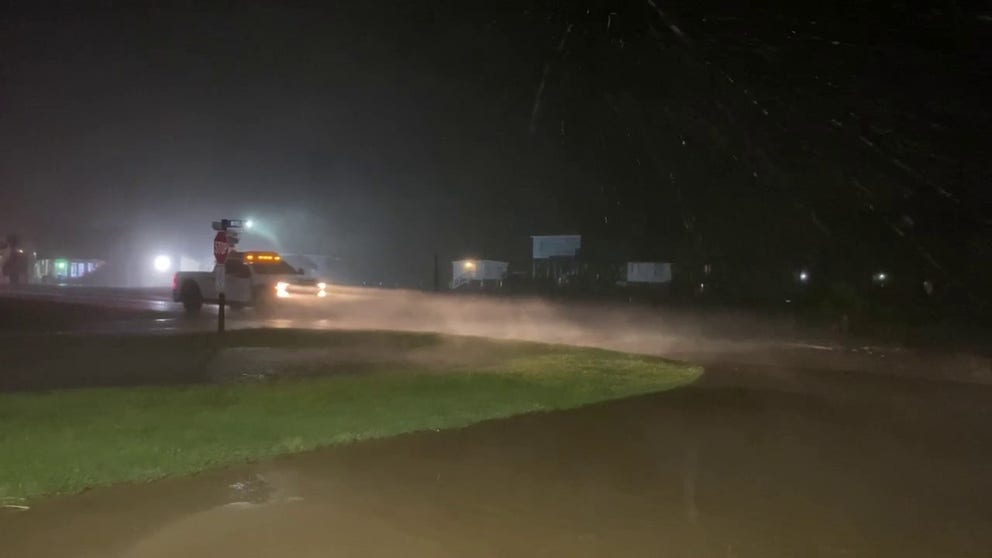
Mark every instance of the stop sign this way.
pixel 221 247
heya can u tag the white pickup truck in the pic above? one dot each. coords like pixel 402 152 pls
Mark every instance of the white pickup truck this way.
pixel 251 279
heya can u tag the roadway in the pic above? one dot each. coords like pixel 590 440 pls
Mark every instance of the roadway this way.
pixel 725 339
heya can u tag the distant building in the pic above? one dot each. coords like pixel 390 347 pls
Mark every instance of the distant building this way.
pixel 63 270
pixel 649 273
pixel 479 274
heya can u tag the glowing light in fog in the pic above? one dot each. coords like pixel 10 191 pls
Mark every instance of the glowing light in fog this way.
pixel 803 276
pixel 249 224
pixel 469 265
pixel 162 263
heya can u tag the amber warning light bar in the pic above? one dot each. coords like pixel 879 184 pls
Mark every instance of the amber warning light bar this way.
pixel 262 257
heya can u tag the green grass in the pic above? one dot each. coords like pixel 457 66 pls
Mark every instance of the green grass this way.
pixel 69 440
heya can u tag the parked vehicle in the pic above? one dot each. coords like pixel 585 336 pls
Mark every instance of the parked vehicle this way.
pixel 251 279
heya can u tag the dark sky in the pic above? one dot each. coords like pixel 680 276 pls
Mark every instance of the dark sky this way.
pixel 383 132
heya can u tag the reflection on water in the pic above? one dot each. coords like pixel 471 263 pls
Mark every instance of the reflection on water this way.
pixel 705 471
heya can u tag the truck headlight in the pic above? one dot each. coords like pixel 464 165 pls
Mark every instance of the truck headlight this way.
pixel 281 289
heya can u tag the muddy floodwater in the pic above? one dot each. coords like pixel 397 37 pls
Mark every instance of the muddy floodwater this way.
pixel 819 465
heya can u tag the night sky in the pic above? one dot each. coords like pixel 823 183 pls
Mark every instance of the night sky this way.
pixel 384 132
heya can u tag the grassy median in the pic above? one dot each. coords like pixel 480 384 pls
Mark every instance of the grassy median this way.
pixel 63 441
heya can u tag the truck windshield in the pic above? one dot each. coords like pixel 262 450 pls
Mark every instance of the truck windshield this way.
pixel 273 268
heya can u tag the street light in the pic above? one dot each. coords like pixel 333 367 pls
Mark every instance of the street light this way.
pixel 162 263
pixel 803 276
pixel 249 223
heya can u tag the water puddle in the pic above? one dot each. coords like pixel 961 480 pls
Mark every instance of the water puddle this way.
pixel 698 472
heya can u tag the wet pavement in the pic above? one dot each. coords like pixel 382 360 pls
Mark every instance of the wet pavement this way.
pixel 712 338
pixel 783 449
pixel 711 470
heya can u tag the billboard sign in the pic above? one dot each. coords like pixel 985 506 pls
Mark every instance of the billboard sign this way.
pixel 556 246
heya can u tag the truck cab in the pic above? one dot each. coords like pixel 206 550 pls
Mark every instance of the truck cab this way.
pixel 251 279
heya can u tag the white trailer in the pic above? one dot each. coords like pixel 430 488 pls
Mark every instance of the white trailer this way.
pixel 481 272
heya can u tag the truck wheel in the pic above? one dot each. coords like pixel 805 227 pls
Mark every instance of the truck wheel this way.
pixel 192 298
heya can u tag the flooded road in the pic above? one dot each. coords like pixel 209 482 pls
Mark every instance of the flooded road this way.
pixel 705 337
pixel 840 467
pixel 785 448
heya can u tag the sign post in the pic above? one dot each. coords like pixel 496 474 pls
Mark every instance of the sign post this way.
pixel 224 242
pixel 221 249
